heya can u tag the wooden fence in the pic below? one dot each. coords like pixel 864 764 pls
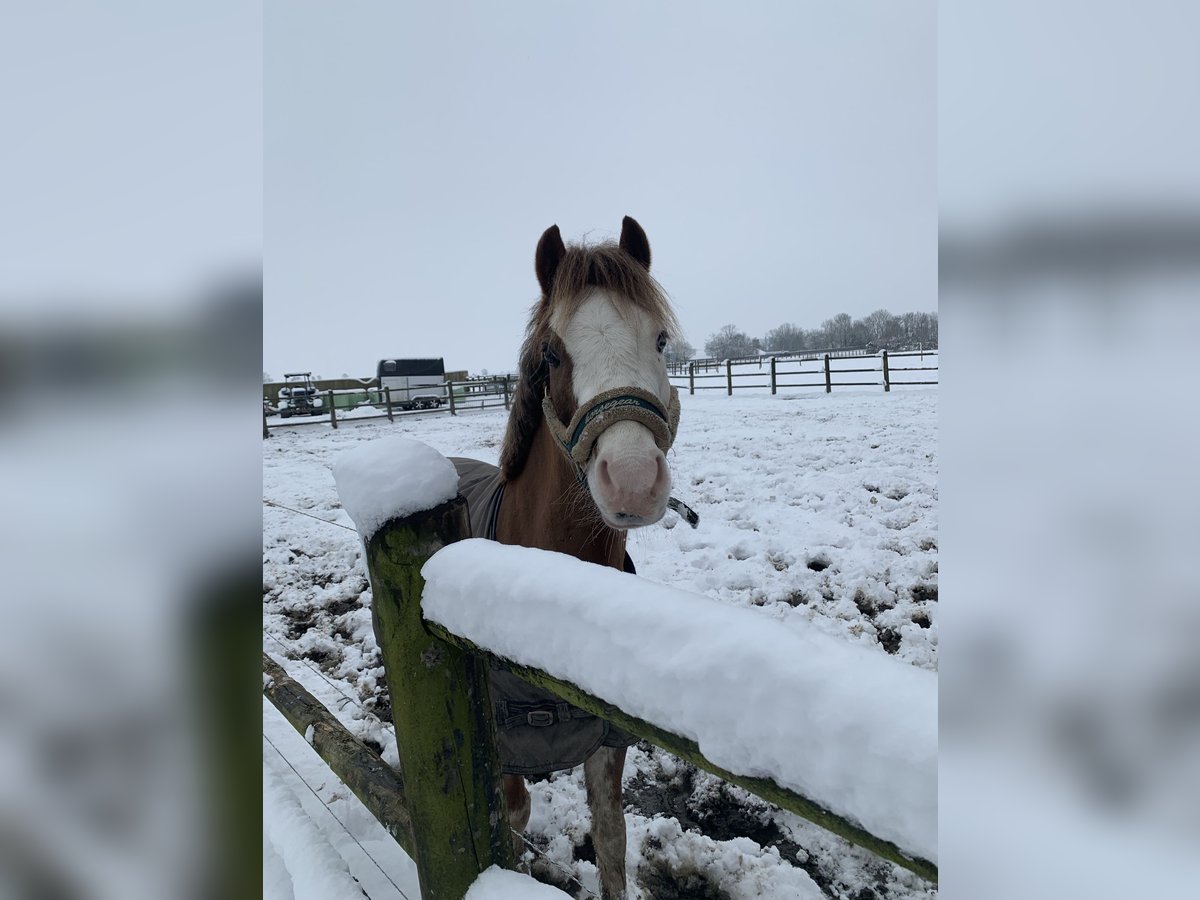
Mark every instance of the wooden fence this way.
pixel 770 372
pixel 781 372
pixel 446 808
pixel 471 394
pixel 680 369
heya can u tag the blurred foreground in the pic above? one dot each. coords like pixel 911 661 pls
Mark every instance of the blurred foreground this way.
pixel 130 590
pixel 1069 304
pixel 130 336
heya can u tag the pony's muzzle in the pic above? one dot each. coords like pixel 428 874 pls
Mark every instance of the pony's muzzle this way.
pixel 632 487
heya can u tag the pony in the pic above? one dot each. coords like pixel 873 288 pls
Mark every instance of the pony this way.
pixel 582 462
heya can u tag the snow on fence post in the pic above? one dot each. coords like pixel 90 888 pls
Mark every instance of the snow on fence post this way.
pixel 729 377
pixel 402 496
pixel 828 381
pixel 692 378
pixel 887 386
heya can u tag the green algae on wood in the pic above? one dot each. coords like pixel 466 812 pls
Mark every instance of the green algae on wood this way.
pixel 442 710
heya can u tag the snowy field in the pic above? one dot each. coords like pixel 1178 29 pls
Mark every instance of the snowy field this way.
pixel 814 508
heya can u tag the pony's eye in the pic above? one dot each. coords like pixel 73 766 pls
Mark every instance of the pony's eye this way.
pixel 549 354
pixel 662 342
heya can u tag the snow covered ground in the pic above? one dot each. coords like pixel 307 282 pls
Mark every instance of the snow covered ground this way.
pixel 814 508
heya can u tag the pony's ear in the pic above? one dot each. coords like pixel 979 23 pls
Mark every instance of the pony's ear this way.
pixel 634 241
pixel 550 251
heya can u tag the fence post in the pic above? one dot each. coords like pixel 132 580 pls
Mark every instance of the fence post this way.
pixel 332 410
pixel 266 433
pixel 772 376
pixel 887 385
pixel 443 712
pixel 828 381
pixel 451 392
pixel 692 378
pixel 387 396
pixel 729 377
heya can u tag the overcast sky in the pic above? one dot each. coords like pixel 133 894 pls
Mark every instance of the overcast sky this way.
pixel 780 156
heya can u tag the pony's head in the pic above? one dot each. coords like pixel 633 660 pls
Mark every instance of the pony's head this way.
pixel 592 367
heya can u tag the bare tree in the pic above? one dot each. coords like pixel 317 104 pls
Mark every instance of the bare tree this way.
pixel 918 329
pixel 928 331
pixel 729 343
pixel 678 351
pixel 880 327
pixel 786 338
pixel 839 330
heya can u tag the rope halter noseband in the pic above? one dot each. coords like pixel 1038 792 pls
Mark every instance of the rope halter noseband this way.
pixel 620 404
pixel 623 404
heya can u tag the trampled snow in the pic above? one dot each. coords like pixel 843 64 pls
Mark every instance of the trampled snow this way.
pixel 390 478
pixel 855 731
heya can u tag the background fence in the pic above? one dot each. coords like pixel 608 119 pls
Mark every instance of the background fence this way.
pixel 834 369
pixel 798 371
pixel 363 403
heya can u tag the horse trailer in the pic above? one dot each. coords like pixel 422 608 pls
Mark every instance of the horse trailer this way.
pixel 414 383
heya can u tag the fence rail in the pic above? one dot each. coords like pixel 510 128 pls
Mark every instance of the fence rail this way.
pixel 689 750
pixel 372 780
pixel 778 367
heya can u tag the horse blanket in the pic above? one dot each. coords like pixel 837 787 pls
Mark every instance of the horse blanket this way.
pixel 537 732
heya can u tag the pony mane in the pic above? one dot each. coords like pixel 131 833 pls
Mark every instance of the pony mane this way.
pixel 605 266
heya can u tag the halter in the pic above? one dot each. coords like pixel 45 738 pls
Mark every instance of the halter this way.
pixel 620 404
pixel 630 404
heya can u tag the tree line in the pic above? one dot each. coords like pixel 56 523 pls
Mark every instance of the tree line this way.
pixel 879 330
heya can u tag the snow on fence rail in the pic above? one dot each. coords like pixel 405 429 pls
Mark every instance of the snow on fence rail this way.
pixel 850 729
pixel 835 733
pixel 781 372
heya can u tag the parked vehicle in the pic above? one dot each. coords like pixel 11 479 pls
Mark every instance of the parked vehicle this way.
pixel 299 397
pixel 427 401
pixel 414 383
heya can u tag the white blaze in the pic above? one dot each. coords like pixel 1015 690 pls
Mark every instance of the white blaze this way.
pixel 612 348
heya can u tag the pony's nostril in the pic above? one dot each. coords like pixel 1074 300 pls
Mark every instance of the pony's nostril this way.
pixel 663 477
pixel 606 481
